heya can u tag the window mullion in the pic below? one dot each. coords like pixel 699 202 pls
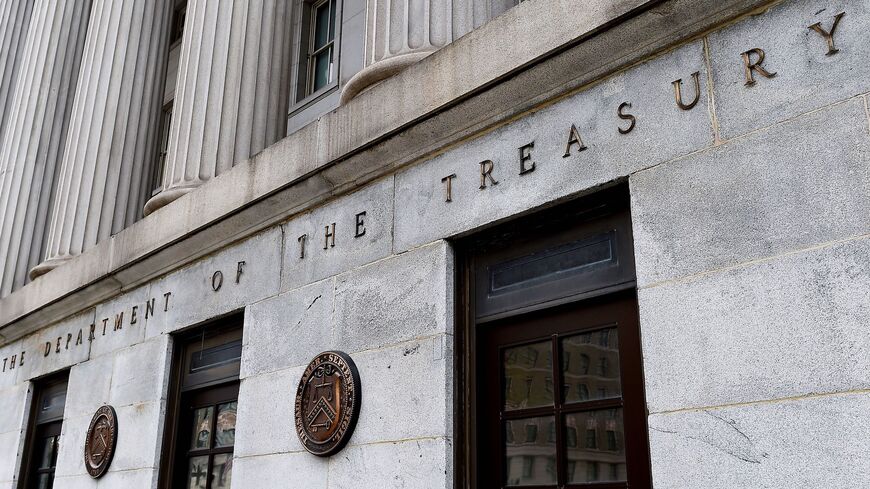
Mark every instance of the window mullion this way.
pixel 561 455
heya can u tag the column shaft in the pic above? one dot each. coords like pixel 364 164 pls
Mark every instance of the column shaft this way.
pixel 232 90
pixel 36 128
pixel 14 21
pixel 113 132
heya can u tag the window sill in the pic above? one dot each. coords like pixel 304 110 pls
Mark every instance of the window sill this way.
pixel 312 99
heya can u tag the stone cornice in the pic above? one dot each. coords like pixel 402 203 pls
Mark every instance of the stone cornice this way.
pixel 474 84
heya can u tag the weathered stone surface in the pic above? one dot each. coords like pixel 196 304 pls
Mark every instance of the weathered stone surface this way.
pixel 193 296
pixel 407 393
pixel 138 446
pixel 288 330
pixel 791 326
pixel 411 464
pixel 285 470
pixel 663 131
pixel 789 187
pixel 406 296
pixel 321 258
pixel 258 430
pixel 12 444
pixel 89 385
pixel 142 478
pixel 13 403
pixel 811 442
pixel 141 373
pixel 806 78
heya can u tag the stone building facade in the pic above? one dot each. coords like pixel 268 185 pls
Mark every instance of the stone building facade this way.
pixel 565 243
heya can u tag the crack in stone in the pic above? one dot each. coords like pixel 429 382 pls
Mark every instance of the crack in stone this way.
pixel 299 323
pixel 747 457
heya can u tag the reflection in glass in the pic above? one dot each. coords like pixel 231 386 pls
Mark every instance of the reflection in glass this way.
pixel 528 371
pixel 201 428
pixel 48 452
pixel 601 458
pixel 222 472
pixel 590 361
pixel 225 431
pixel 45 481
pixel 530 461
pixel 197 474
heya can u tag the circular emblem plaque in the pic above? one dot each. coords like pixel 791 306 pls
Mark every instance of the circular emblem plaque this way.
pixel 327 403
pixel 100 441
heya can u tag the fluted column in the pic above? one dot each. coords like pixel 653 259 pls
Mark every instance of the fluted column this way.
pixel 36 128
pixel 398 34
pixel 14 21
pixel 232 90
pixel 113 127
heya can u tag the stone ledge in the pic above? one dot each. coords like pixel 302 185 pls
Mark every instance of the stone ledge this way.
pixel 471 85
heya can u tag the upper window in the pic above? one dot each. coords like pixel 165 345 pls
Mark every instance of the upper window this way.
pixel 321 45
pixel 318 59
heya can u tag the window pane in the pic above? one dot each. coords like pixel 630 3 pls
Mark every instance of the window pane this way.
pixel 201 428
pixel 322 69
pixel 531 456
pixel 332 20
pixel 197 474
pixel 321 26
pixel 590 365
pixel 222 472
pixel 216 356
pixel 600 455
pixel 48 452
pixel 225 432
pixel 528 372
pixel 45 481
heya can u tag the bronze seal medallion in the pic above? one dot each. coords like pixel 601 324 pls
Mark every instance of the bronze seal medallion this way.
pixel 100 441
pixel 327 403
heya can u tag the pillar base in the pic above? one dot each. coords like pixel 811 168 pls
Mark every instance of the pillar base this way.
pixel 165 197
pixel 379 71
pixel 47 266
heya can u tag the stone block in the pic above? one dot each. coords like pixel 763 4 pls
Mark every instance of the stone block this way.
pixel 789 187
pixel 14 402
pixel 321 258
pixel 89 386
pixel 141 373
pixel 258 430
pixel 662 132
pixel 411 464
pixel 193 298
pixel 791 326
pixel 288 330
pixel 139 432
pixel 394 300
pixel 801 443
pixel 806 77
pixel 61 342
pixel 282 471
pixel 407 393
pixel 139 479
pixel 121 321
pixel 10 461
pixel 12 376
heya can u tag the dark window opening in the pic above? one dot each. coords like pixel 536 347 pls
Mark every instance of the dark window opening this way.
pixel 43 439
pixel 201 425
